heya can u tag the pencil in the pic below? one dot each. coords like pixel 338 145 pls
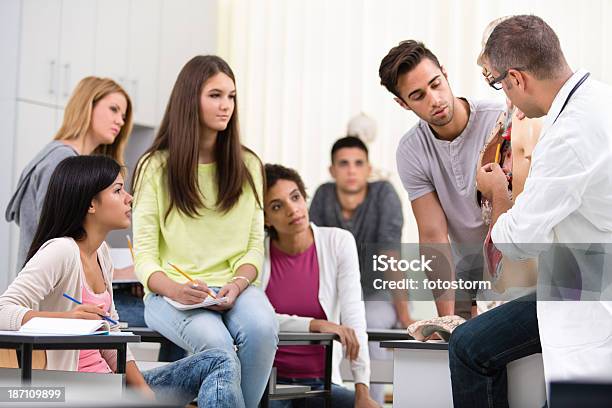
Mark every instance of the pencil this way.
pixel 129 241
pixel 497 153
pixel 176 268
pixel 80 303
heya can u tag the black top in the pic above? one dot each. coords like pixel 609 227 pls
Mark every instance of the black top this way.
pixel 415 345
pixel 46 339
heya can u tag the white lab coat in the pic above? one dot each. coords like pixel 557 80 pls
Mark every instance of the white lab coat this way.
pixel 568 199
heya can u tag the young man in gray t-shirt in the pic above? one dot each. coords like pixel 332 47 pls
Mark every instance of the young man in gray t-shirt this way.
pixel 437 161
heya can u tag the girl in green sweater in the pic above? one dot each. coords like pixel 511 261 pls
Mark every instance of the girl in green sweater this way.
pixel 198 205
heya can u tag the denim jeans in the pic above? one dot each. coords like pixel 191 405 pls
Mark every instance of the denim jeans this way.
pixel 249 329
pixel 211 377
pixel 131 310
pixel 341 397
pixel 480 348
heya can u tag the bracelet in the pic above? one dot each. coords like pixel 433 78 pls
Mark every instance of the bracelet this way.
pixel 243 278
pixel 233 280
pixel 238 286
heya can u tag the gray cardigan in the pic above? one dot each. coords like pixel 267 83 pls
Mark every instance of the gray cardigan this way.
pixel 27 201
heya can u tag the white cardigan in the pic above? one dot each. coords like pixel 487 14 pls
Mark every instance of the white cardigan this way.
pixel 339 295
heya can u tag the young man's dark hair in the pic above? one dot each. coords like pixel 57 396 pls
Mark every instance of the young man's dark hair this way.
pixel 348 141
pixel 525 43
pixel 401 59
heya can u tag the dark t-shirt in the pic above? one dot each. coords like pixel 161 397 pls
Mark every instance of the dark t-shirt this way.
pixel 377 221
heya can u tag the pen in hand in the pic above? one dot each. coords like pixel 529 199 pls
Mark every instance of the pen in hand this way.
pixel 80 303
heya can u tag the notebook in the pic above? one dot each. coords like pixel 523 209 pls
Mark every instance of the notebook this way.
pixel 64 327
pixel 209 301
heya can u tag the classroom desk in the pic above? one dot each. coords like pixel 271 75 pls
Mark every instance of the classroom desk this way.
pixel 301 339
pixel 25 344
pixel 381 370
pixel 421 376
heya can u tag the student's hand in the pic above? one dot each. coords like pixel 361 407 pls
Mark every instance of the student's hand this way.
pixel 347 335
pixel 87 311
pixel 362 397
pixel 231 291
pixel 403 316
pixel 189 293
pixel 491 179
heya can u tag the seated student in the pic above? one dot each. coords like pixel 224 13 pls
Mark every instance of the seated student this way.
pixel 372 212
pixel 198 205
pixel 84 202
pixel 311 276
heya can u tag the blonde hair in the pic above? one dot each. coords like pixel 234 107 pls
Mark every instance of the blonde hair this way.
pixel 485 37
pixel 77 115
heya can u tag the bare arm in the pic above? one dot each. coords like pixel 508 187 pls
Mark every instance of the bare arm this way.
pixel 433 229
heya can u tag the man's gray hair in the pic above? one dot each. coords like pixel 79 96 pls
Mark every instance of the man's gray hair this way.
pixel 527 43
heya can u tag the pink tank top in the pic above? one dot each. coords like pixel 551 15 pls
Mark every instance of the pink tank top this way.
pixel 294 289
pixel 91 361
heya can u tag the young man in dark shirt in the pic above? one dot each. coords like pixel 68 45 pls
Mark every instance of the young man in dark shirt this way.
pixel 372 212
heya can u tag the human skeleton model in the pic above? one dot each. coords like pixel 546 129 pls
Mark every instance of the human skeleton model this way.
pixel 511 143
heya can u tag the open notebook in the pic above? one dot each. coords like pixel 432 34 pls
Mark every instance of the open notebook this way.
pixel 63 327
pixel 209 301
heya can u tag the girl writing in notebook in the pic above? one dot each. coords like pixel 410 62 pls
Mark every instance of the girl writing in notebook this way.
pixel 84 202
pixel 97 120
pixel 311 276
pixel 198 205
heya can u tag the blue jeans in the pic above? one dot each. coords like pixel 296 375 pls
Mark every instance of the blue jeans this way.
pixel 212 377
pixel 250 327
pixel 480 348
pixel 130 309
pixel 341 397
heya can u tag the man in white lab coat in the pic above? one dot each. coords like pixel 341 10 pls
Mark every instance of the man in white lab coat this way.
pixel 568 193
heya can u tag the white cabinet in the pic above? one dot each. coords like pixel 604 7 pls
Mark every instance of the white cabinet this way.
pixel 76 45
pixel 189 28
pixel 127 50
pixel 111 39
pixel 39 61
pixel 57 38
pixel 144 59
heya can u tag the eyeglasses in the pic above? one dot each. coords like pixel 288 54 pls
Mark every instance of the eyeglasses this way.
pixel 495 83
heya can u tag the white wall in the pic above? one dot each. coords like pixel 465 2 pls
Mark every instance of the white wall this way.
pixel 304 68
pixel 9 46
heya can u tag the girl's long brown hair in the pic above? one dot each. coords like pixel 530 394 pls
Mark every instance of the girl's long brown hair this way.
pixel 179 135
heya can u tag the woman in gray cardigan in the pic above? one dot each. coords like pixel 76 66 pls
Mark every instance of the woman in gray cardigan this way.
pixel 97 120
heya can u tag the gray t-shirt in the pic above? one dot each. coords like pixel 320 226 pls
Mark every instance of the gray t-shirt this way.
pixel 426 164
pixel 377 221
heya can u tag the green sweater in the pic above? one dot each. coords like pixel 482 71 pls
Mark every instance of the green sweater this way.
pixel 210 246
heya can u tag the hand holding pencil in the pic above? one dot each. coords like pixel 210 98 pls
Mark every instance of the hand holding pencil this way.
pixel 191 292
